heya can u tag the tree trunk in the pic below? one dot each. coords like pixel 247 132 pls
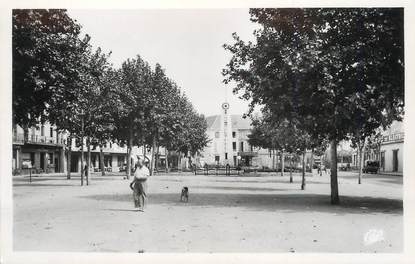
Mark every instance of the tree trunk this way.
pixel 153 154
pixel 179 161
pixel 312 161
pixel 361 159
pixel 69 142
pixel 129 150
pixel 190 161
pixel 291 170
pixel 144 152
pixel 166 160
pixel 82 160
pixel 25 133
pixel 333 173
pixel 321 162
pixel 303 176
pixel 282 163
pixel 157 158
pixel 101 159
pixel 88 165
pixel 273 159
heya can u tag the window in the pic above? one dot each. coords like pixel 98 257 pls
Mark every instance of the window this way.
pixel 216 134
pixel 234 146
pixel 226 155
pixel 51 158
pixel 42 130
pixel 51 132
pixel 217 158
pixel 120 161
pixel 241 148
pixel 234 135
pixel 108 161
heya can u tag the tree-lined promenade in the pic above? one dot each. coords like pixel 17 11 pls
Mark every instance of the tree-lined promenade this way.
pixel 60 78
pixel 326 74
pixel 319 76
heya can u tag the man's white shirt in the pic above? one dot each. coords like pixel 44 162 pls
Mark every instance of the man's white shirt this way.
pixel 142 172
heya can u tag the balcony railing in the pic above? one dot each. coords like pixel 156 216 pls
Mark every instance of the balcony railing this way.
pixel 248 153
pixel 19 138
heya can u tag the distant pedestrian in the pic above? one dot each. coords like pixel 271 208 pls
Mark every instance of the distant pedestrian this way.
pixel 139 185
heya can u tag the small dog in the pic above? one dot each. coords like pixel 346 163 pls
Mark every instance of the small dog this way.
pixel 185 195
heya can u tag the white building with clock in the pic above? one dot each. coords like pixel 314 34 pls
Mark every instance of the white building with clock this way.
pixel 229 142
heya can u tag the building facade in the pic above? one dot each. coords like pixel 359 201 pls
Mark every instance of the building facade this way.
pixel 391 148
pixel 229 142
pixel 42 149
pixel 390 152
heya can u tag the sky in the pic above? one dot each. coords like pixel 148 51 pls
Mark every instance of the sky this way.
pixel 186 42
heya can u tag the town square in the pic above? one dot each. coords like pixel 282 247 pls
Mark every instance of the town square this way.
pixel 250 213
pixel 246 130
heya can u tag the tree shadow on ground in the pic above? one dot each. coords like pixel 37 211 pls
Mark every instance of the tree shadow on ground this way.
pixel 392 181
pixel 380 177
pixel 231 188
pixel 26 179
pixel 171 180
pixel 34 184
pixel 283 203
pixel 60 181
pixel 280 180
pixel 122 210
pixel 234 175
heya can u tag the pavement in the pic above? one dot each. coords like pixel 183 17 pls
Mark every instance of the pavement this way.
pixel 262 213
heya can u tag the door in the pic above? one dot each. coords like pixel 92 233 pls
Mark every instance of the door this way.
pixel 42 161
pixel 382 161
pixel 56 164
pixel 395 160
pixel 74 163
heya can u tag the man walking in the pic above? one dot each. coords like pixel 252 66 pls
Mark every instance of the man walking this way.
pixel 139 185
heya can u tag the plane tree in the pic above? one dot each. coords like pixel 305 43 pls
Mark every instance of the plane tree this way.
pixel 133 97
pixel 326 66
pixel 47 51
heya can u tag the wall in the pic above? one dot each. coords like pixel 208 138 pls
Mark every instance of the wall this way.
pixel 388 149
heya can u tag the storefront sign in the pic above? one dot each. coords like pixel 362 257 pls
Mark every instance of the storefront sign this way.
pixel 393 137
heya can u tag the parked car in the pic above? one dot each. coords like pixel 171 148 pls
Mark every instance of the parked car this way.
pixel 345 167
pixel 371 167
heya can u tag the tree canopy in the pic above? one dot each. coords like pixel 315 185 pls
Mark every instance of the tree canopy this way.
pixel 332 71
pixel 47 61
pixel 60 78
